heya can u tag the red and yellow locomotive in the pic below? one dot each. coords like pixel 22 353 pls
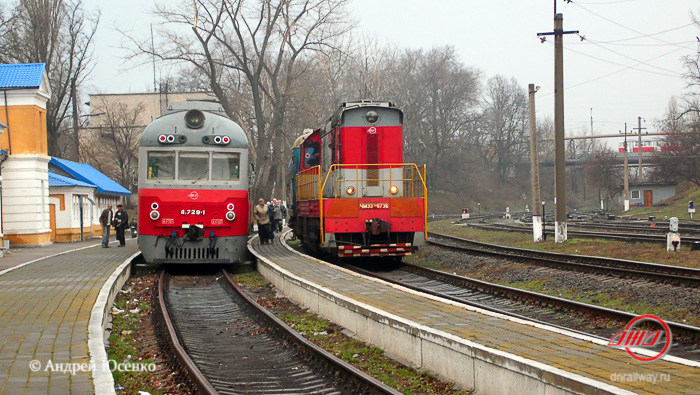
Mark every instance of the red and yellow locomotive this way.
pixel 354 195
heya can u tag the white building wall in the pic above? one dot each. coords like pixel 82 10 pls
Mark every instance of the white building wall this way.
pixel 70 217
pixel 25 194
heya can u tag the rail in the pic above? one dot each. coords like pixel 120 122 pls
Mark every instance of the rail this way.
pixel 310 185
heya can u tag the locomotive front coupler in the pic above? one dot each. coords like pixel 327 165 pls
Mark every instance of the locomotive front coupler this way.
pixel 194 232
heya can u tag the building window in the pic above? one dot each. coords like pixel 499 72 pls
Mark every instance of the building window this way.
pixel 635 194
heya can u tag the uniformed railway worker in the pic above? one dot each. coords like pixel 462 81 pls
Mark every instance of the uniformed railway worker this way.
pixel 121 221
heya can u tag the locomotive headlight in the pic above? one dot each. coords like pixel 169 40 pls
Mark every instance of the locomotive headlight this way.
pixel 372 116
pixel 394 189
pixel 162 138
pixel 350 190
pixel 230 206
pixel 155 215
pixel 154 206
pixel 225 140
pixel 194 119
pixel 230 215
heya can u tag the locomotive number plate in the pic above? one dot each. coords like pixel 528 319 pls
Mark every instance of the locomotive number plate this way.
pixel 378 205
pixel 192 212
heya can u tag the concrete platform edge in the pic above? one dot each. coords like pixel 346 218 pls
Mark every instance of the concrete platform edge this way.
pixel 102 379
pixel 471 365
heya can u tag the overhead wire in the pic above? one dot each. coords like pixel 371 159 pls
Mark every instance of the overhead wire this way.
pixel 618 24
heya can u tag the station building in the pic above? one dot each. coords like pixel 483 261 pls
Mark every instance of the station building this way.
pixel 31 211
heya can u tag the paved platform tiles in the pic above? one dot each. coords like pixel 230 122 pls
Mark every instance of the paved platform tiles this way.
pixel 45 309
pixel 558 350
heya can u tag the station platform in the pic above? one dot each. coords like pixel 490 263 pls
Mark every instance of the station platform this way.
pixel 47 296
pixel 481 350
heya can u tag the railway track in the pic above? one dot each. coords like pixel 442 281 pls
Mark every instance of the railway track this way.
pixel 230 345
pixel 623 268
pixel 531 306
pixel 626 237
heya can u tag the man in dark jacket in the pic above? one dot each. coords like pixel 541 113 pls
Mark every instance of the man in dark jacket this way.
pixel 106 221
pixel 121 221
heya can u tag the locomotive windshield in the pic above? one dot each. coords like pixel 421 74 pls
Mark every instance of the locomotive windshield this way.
pixel 161 165
pixel 194 166
pixel 225 166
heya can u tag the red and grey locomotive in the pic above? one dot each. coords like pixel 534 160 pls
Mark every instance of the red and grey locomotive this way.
pixel 193 187
pixel 354 196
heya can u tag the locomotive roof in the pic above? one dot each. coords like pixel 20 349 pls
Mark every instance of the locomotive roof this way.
pixel 216 123
pixel 352 114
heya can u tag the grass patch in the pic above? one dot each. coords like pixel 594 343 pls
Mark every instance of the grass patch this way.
pixel 643 252
pixel 369 359
pixel 123 346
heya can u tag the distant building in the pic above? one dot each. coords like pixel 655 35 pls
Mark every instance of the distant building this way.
pixel 151 105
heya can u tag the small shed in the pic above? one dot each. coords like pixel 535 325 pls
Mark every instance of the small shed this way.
pixel 77 195
pixel 647 194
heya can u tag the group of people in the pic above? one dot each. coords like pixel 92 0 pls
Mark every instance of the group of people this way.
pixel 269 217
pixel 118 220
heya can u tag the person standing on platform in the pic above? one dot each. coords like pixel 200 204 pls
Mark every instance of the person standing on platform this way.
pixel 271 226
pixel 121 221
pixel 106 221
pixel 277 215
pixel 263 220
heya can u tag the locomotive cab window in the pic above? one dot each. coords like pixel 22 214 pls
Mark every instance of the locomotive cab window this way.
pixel 193 166
pixel 161 165
pixel 225 166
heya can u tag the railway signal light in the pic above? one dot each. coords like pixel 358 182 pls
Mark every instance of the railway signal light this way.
pixel 690 204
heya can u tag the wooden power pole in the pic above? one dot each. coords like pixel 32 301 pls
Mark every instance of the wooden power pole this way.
pixel 534 168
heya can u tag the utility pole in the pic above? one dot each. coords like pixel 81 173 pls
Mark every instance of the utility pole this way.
pixel 627 179
pixel 640 174
pixel 560 231
pixel 534 168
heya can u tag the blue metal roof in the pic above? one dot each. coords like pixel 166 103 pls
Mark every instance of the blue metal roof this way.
pixel 57 180
pixel 26 75
pixel 88 174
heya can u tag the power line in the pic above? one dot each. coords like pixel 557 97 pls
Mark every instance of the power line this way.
pixel 649 35
pixel 620 25
pixel 614 72
pixel 631 58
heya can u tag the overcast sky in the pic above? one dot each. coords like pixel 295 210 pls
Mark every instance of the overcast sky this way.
pixel 629 64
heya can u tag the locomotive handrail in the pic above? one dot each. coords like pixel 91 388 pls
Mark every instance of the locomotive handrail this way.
pixel 310 187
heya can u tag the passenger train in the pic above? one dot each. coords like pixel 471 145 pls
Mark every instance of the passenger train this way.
pixel 647 146
pixel 353 194
pixel 193 187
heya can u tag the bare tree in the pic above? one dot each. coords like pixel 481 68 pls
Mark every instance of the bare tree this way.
pixel 112 147
pixel 504 123
pixel 604 172
pixel 258 46
pixel 60 34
